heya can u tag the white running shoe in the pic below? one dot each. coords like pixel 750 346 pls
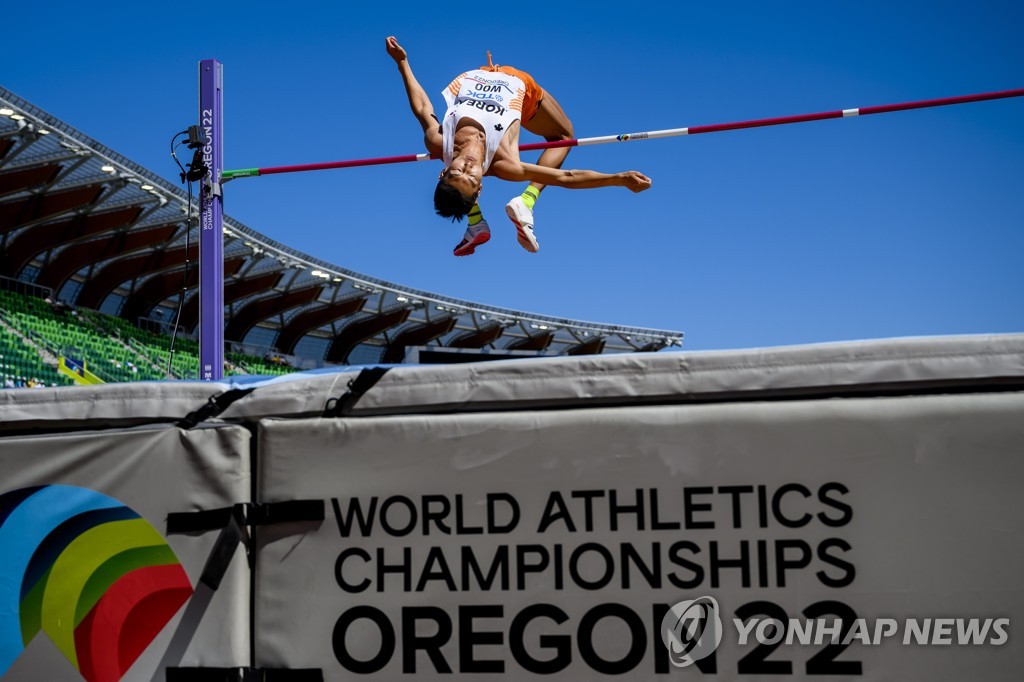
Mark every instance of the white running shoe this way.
pixel 523 218
pixel 475 236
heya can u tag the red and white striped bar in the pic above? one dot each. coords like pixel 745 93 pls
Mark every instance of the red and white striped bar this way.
pixel 654 134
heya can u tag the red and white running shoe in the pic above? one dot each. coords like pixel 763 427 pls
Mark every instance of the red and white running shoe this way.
pixel 475 236
pixel 523 218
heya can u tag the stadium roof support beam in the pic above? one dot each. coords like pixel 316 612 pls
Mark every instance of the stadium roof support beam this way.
pixel 124 269
pixel 5 146
pixel 356 332
pixel 155 289
pixel 419 335
pixel 175 280
pixel 234 291
pixel 536 342
pixel 594 346
pixel 37 208
pixel 26 141
pixel 305 322
pixel 37 240
pixel 71 260
pixel 255 312
pixel 478 338
pixel 27 178
pixel 76 163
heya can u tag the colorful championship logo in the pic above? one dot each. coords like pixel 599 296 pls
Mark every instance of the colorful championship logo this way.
pixel 88 571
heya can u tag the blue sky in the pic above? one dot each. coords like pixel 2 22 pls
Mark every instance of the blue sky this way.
pixel 900 224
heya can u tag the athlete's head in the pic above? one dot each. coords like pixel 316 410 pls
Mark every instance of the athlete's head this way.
pixel 458 187
pixel 449 202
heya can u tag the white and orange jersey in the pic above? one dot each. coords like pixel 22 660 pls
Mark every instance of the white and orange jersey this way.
pixel 492 99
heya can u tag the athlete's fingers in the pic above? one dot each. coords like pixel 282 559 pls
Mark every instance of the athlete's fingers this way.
pixel 638 181
pixel 396 51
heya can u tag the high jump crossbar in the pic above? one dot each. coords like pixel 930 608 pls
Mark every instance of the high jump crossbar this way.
pixel 650 135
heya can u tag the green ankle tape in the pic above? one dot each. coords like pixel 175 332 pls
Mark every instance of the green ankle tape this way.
pixel 530 196
pixel 475 215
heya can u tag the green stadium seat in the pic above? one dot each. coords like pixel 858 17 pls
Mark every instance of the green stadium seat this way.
pixel 113 348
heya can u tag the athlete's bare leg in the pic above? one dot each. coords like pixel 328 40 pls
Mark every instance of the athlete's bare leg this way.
pixel 551 123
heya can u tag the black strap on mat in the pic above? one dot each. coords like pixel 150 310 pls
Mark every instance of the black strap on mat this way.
pixel 213 407
pixel 233 523
pixel 286 512
pixel 182 523
pixel 358 387
pixel 265 514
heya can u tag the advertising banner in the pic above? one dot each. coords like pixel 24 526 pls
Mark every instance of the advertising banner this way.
pixel 92 587
pixel 859 538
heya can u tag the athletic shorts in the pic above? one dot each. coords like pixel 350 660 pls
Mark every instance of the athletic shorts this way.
pixel 534 93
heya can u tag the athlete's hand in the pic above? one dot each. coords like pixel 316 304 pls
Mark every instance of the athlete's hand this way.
pixel 635 181
pixel 396 51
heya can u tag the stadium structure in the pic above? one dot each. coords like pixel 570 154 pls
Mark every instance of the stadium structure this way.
pixel 108 243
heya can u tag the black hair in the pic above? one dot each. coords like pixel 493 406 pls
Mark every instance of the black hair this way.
pixel 449 202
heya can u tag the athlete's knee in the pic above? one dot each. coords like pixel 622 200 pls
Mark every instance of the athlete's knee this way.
pixel 565 134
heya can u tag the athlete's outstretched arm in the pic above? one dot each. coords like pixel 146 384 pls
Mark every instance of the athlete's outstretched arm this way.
pixel 418 100
pixel 634 181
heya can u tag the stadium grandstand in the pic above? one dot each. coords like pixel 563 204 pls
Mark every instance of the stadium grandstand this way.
pixel 94 277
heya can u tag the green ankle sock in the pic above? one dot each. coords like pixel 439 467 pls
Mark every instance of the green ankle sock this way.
pixel 530 196
pixel 475 215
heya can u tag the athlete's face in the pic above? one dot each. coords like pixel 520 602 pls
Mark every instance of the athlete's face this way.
pixel 464 174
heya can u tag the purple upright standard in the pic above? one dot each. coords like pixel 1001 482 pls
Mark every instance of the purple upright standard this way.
pixel 211 232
